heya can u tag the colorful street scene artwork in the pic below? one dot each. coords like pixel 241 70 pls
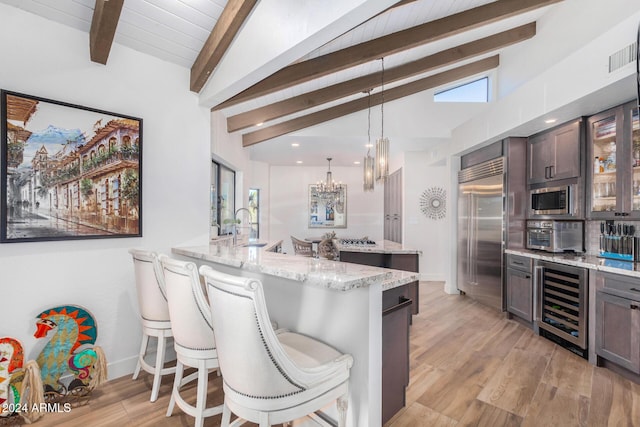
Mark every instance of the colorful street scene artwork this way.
pixel 68 172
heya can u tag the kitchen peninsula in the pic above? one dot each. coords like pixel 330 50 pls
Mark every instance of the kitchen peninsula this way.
pixel 388 254
pixel 337 302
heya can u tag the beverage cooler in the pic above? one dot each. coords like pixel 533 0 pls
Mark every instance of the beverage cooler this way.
pixel 562 305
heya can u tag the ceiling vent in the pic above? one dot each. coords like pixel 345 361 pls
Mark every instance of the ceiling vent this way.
pixel 622 57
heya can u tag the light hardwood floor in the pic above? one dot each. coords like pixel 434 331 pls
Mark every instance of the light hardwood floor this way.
pixel 470 366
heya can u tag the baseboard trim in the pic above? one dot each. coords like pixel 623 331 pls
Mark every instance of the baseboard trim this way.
pixel 430 277
pixel 124 367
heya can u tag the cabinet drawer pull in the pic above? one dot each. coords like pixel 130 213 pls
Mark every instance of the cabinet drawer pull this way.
pixel 528 276
pixel 635 289
pixel 517 262
pixel 402 303
pixel 634 307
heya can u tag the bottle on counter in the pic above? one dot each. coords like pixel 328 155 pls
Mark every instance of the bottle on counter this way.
pixel 596 165
pixel 601 166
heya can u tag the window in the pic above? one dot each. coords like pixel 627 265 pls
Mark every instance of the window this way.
pixel 223 193
pixel 254 208
pixel 475 91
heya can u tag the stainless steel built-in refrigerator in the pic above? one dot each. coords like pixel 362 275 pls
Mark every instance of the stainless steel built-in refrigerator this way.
pixel 491 211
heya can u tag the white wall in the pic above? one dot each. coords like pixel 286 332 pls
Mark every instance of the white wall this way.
pixel 46 59
pixel 561 91
pixel 429 235
pixel 289 192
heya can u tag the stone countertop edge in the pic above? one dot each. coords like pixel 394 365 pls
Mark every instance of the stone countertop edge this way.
pixel 387 247
pixel 400 278
pixel 585 261
pixel 335 275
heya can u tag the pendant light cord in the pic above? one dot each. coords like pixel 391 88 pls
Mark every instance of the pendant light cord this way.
pixel 382 91
pixel 369 125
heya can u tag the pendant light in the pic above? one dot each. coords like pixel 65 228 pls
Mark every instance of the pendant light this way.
pixel 382 143
pixel 369 168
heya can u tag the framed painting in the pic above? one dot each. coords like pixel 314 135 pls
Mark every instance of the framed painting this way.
pixel 327 209
pixel 67 171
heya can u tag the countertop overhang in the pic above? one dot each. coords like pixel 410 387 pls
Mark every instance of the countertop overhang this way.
pixel 340 276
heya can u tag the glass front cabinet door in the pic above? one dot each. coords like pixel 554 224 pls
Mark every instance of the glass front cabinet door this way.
pixel 613 190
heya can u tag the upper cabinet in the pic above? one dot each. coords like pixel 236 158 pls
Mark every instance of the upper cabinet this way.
pixel 613 184
pixel 393 207
pixel 555 154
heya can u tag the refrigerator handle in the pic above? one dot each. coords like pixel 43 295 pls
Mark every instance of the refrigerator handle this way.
pixel 472 236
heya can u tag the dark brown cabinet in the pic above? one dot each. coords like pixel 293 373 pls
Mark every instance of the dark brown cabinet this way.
pixel 555 154
pixel 406 262
pixel 618 320
pixel 396 306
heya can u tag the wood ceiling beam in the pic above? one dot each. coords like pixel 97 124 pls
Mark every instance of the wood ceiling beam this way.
pixel 103 29
pixel 364 83
pixel 331 113
pixel 304 71
pixel 223 33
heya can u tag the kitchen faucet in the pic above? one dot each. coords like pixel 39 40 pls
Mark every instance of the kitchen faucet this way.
pixel 236 221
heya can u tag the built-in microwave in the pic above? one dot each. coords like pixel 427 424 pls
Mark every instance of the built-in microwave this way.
pixel 552 201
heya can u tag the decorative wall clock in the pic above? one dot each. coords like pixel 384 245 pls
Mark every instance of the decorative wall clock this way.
pixel 433 203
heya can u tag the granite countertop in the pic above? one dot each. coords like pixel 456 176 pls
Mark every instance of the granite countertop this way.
pixel 341 276
pixel 386 247
pixel 586 261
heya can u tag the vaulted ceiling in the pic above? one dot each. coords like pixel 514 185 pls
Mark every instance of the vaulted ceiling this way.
pixel 425 44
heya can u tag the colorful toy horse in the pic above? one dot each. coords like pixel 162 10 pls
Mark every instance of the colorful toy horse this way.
pixel 70 350
pixel 20 388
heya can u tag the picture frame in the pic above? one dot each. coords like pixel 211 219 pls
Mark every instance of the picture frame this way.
pixel 68 172
pixel 327 209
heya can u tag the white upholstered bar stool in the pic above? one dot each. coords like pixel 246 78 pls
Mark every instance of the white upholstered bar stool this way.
pixel 270 377
pixel 192 335
pixel 154 313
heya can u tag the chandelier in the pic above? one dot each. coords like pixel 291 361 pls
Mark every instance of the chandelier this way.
pixel 382 144
pixel 369 167
pixel 329 187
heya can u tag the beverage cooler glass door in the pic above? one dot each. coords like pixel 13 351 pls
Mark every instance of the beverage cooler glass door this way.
pixel 603 189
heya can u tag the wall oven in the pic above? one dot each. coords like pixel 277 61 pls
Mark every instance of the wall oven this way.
pixel 553 201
